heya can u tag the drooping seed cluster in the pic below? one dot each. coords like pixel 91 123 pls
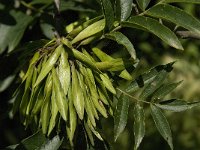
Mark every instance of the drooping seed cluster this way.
pixel 63 84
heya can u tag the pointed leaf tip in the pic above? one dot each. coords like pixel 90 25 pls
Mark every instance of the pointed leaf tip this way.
pixel 162 124
pixel 121 115
pixel 139 124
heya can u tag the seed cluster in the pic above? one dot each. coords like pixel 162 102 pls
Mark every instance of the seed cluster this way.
pixel 67 86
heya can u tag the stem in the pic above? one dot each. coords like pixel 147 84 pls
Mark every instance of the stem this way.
pixel 144 12
pixel 116 28
pixel 188 34
pixel 57 17
pixel 29 6
pixel 134 98
pixel 135 8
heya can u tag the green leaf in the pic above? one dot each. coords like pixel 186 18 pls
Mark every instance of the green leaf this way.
pixel 46 25
pixel 17 100
pixel 162 124
pixel 90 30
pixel 175 15
pixel 152 86
pixel 123 40
pixel 95 132
pixel 39 100
pixel 101 55
pixel 176 105
pixel 29 47
pixel 52 144
pixel 90 82
pixel 71 126
pixel 147 77
pixel 33 142
pixel 108 84
pixel 117 64
pixel 121 115
pixel 54 112
pixel 77 93
pixel 143 3
pixel 89 133
pixel 25 97
pixel 83 58
pixel 34 2
pixel 33 95
pixel 46 107
pixel 45 115
pixel 75 6
pixel 64 71
pixel 125 75
pixel 153 26
pixel 11 34
pixel 108 13
pixel 46 68
pixel 11 147
pixel 139 124
pixel 123 9
pixel 81 26
pixel 165 89
pixel 5 83
pixel 182 1
pixel 61 100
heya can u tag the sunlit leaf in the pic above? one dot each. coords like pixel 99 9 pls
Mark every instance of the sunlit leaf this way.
pixel 77 93
pixel 153 26
pixel 54 112
pixel 108 84
pixel 77 27
pixel 101 55
pixel 90 30
pixel 175 15
pixel 49 64
pixel 61 100
pixel 46 107
pixel 64 71
pixel 123 9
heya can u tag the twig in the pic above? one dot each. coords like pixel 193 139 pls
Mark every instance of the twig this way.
pixel 188 34
pixel 134 98
pixel 57 17
pixel 135 8
pixel 29 6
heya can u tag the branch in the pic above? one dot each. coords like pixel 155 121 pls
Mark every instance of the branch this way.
pixel 188 34
pixel 57 17
pixel 133 98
